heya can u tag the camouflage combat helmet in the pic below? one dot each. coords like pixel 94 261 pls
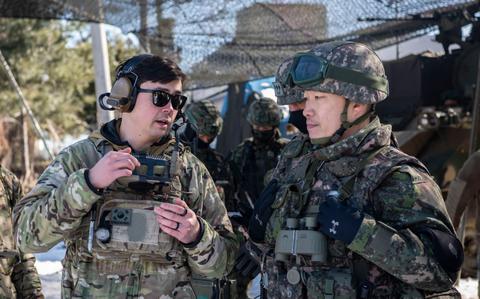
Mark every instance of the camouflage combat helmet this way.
pixel 285 93
pixel 205 118
pixel 264 112
pixel 348 69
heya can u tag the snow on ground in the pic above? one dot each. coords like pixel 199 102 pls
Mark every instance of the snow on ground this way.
pixel 49 267
pixel 468 288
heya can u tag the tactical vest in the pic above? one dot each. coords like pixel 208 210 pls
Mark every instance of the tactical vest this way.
pixel 126 232
pixel 254 163
pixel 307 264
pixel 220 173
pixel 214 163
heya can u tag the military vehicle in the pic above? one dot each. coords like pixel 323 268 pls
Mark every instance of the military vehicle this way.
pixel 432 106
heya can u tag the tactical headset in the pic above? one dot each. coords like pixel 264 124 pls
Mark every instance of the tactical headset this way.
pixel 125 88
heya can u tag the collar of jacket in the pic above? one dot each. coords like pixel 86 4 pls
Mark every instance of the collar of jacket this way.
pixel 371 137
pixel 109 133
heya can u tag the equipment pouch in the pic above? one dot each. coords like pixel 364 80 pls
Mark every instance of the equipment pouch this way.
pixel 205 288
pixel 330 284
pixel 130 227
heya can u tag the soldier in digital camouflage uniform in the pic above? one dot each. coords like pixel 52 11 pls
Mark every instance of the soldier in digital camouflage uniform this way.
pixel 18 276
pixel 131 236
pixel 353 217
pixel 255 156
pixel 207 122
pixel 250 161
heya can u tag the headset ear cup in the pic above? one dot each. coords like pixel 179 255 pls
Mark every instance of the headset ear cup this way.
pixel 121 94
pixel 133 99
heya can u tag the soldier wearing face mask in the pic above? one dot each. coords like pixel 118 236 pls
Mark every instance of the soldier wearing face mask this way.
pixel 256 155
pixel 207 122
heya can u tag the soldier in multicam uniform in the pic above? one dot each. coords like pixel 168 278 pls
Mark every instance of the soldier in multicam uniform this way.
pixel 207 122
pixel 18 275
pixel 131 236
pixel 354 217
pixel 255 156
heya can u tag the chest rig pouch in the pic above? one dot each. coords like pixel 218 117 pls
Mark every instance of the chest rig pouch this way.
pixel 124 225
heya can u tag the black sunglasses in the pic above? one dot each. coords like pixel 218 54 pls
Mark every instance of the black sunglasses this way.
pixel 161 98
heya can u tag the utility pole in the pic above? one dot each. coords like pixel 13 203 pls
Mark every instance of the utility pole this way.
pixel 102 69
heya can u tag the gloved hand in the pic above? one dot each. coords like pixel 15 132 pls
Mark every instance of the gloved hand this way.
pixel 248 260
pixel 338 220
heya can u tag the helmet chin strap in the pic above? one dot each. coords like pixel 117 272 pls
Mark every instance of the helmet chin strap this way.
pixel 345 125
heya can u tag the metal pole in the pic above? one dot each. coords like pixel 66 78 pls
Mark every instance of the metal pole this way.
pixel 102 69
pixel 24 102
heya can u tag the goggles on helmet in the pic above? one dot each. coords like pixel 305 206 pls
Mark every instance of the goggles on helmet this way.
pixel 309 70
pixel 161 98
pixel 281 90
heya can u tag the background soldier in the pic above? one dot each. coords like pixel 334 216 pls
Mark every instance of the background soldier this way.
pixel 251 159
pixel 18 275
pixel 291 96
pixel 207 122
pixel 127 235
pixel 376 221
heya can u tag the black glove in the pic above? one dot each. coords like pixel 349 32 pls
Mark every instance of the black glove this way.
pixel 248 260
pixel 338 220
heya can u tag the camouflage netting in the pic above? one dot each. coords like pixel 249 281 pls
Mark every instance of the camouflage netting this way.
pixel 224 41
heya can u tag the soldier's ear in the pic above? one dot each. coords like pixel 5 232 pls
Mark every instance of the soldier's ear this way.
pixel 356 110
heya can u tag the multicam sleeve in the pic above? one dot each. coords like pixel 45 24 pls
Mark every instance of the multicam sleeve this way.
pixel 407 201
pixel 24 274
pixel 214 253
pixel 25 278
pixel 56 204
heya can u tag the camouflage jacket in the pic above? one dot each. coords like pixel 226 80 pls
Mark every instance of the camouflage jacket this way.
pixel 221 174
pixel 397 196
pixel 18 275
pixel 59 206
pixel 250 162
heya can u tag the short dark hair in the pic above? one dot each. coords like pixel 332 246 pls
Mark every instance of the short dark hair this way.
pixel 153 68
